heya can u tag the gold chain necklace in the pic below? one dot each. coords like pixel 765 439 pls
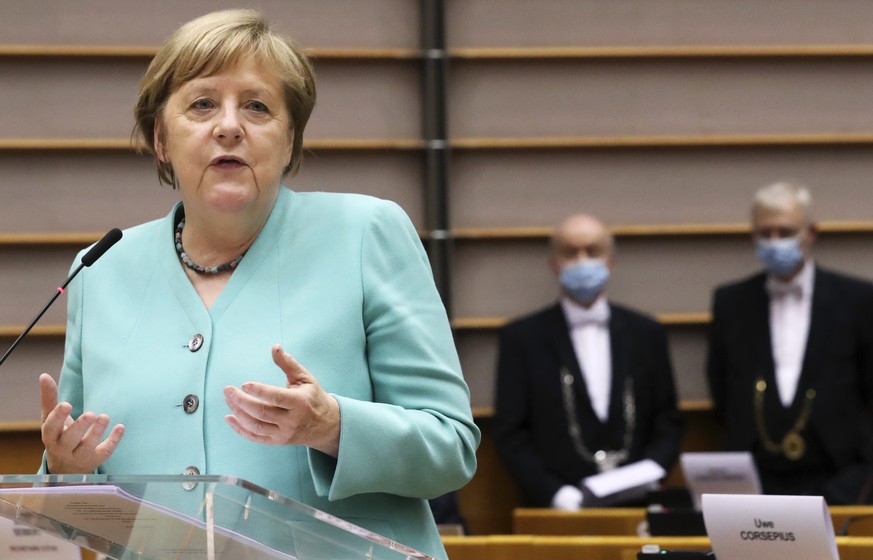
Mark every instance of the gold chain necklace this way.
pixel 793 446
pixel 606 460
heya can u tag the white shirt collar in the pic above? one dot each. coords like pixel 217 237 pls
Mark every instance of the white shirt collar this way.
pixel 577 315
pixel 804 281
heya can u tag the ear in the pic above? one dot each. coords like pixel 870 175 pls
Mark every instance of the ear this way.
pixel 159 140
pixel 554 265
pixel 289 151
pixel 812 233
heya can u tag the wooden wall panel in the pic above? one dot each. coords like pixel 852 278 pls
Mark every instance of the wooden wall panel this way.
pixel 393 175
pixel 477 349
pixel 80 98
pixel 21 452
pixel 531 98
pixel 688 351
pixel 30 277
pixel 377 99
pixel 517 23
pixel 20 393
pixel 667 185
pixel 79 190
pixel 655 274
pixel 94 98
pixel 314 23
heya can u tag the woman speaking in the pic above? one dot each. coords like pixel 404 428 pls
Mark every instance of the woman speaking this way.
pixel 292 339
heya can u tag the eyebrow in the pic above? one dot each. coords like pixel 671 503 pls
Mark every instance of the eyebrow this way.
pixel 250 92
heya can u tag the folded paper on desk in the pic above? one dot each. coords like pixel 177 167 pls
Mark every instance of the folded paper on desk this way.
pixel 729 472
pixel 115 516
pixel 628 483
pixel 741 527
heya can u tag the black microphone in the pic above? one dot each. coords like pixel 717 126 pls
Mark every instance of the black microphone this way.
pixel 110 239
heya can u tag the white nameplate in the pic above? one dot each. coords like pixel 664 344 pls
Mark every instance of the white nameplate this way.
pixel 741 527
pixel 20 542
pixel 628 482
pixel 730 472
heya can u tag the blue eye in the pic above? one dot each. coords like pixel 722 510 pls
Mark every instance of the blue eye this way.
pixel 258 107
pixel 202 104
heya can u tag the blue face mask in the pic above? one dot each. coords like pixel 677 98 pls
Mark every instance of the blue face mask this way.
pixel 584 280
pixel 780 257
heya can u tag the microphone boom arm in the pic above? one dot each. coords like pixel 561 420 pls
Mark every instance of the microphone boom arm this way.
pixel 51 300
pixel 108 240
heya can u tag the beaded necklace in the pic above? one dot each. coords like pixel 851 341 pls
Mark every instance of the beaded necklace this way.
pixel 186 260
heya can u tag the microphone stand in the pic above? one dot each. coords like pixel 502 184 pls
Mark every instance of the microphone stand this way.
pixel 51 300
pixel 108 240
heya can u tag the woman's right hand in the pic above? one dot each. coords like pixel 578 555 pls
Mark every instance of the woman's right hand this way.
pixel 73 446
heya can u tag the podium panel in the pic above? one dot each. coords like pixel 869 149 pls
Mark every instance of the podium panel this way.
pixel 186 517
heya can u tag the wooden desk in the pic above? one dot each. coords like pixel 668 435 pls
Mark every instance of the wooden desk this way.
pixel 627 521
pixel 530 547
pixel 860 520
pixel 489 547
pixel 593 522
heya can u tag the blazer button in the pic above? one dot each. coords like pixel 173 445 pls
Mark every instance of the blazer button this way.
pixel 190 471
pixel 195 343
pixel 190 404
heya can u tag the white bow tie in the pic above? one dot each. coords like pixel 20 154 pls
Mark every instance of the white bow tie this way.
pixel 597 316
pixel 784 289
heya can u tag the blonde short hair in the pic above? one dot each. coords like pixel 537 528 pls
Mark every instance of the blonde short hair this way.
pixel 211 43
pixel 783 196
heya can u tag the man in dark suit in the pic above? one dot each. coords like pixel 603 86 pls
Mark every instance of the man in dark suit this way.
pixel 584 385
pixel 790 361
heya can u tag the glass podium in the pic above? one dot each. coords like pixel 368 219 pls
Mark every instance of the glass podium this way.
pixel 186 517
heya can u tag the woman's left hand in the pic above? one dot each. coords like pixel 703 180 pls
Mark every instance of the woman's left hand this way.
pixel 301 413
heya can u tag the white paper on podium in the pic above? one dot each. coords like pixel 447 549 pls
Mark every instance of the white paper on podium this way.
pixel 729 472
pixel 741 527
pixel 20 542
pixel 110 513
pixel 636 476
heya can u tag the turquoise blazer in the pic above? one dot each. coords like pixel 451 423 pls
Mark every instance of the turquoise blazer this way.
pixel 343 283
